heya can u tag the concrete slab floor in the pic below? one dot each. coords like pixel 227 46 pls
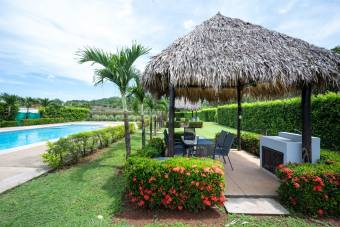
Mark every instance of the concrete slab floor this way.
pixel 20 166
pixel 255 206
pixel 248 179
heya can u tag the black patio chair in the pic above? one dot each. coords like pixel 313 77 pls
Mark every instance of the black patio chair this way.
pixel 179 148
pixel 223 145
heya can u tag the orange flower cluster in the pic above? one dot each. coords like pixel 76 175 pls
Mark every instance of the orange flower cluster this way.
pixel 179 193
pixel 311 194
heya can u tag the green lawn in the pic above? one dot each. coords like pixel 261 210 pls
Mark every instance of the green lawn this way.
pixel 76 196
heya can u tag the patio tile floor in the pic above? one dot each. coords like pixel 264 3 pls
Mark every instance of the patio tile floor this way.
pixel 248 179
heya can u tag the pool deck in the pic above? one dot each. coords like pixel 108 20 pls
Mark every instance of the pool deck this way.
pixel 22 164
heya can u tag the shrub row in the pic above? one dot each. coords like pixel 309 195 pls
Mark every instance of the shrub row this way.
pixel 66 112
pixel 113 117
pixel 208 114
pixel 8 124
pixel 176 183
pixel 284 115
pixel 312 189
pixel 146 123
pixel 68 150
pixel 40 121
pixel 27 122
pixel 155 148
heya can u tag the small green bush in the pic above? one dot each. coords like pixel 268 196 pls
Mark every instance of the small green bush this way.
pixel 312 189
pixel 8 124
pixel 195 124
pixel 67 151
pixel 155 148
pixel 146 123
pixel 177 183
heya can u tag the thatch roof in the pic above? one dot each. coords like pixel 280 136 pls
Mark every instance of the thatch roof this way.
pixel 222 51
pixel 184 104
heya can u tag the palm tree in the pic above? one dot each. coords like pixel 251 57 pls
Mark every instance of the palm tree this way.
pixel 162 106
pixel 138 92
pixel 10 101
pixel 118 69
pixel 28 103
pixel 45 102
pixel 151 104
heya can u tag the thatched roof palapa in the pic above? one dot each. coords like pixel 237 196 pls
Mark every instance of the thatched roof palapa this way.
pixel 223 51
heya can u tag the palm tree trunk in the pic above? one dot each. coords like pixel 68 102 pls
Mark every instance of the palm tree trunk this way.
pixel 143 125
pixel 155 124
pixel 27 112
pixel 127 127
pixel 150 125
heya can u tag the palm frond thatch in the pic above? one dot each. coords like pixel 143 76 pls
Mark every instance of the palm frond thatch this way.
pixel 222 52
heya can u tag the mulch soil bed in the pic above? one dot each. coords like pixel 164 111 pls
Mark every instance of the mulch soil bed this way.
pixel 139 217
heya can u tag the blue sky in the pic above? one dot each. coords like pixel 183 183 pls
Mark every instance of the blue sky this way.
pixel 38 39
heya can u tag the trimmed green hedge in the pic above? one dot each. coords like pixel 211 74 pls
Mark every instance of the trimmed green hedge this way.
pixel 195 124
pixel 8 124
pixel 67 112
pixel 312 189
pixel 284 115
pixel 27 122
pixel 209 114
pixel 176 183
pixel 41 121
pixel 69 150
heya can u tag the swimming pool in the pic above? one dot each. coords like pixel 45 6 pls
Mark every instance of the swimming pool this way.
pixel 23 137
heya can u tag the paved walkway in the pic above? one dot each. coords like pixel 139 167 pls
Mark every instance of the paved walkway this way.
pixel 20 166
pixel 248 179
pixel 25 163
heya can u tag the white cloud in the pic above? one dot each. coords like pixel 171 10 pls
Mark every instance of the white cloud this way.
pixel 188 24
pixel 288 6
pixel 44 37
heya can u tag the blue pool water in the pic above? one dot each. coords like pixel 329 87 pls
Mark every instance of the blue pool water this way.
pixel 29 136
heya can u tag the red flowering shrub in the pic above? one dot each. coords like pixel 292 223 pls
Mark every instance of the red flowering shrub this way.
pixel 177 183
pixel 312 189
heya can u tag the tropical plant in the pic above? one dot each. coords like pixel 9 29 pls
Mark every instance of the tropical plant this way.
pixel 336 49
pixel 118 69
pixel 45 102
pixel 138 92
pixel 28 103
pixel 10 102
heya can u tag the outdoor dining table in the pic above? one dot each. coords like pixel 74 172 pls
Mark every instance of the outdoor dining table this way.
pixel 197 142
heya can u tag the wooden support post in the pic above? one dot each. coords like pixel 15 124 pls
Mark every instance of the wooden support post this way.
pixel 239 114
pixel 306 123
pixel 171 129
